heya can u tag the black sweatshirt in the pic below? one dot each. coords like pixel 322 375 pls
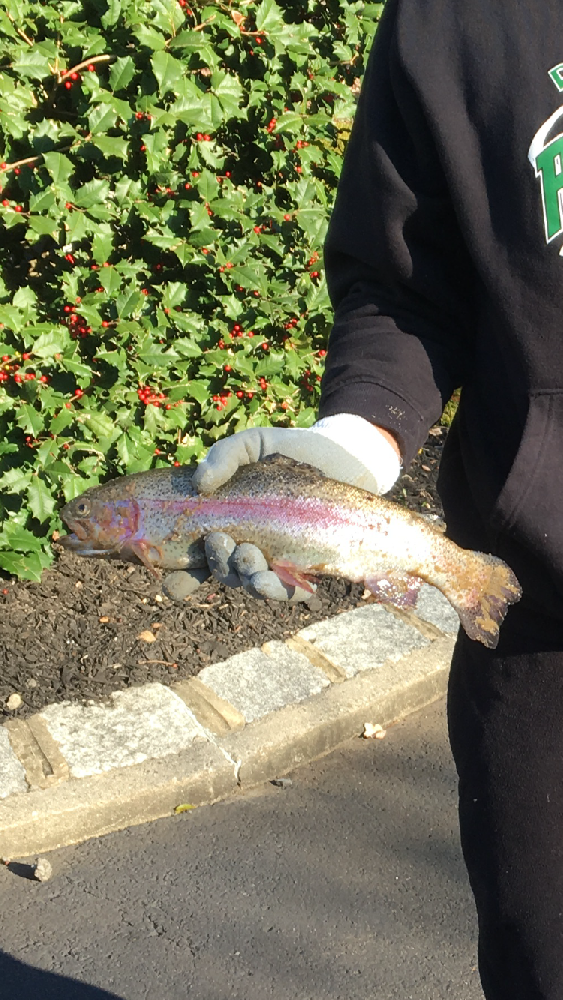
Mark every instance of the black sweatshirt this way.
pixel 443 264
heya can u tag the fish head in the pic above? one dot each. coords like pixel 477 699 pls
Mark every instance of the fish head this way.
pixel 102 521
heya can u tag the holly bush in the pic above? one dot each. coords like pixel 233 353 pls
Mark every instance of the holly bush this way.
pixel 167 171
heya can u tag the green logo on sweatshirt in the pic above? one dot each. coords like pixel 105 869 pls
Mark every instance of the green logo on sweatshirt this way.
pixel 546 156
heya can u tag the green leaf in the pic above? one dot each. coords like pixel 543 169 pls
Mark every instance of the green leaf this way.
pixel 14 536
pixel 26 566
pixel 30 420
pixel 187 348
pixel 41 500
pixel 48 343
pixel 268 16
pixel 102 246
pixel 112 14
pixel 111 146
pixel 101 118
pixel 59 167
pixel 32 64
pixel 43 225
pixel 149 37
pixel 110 280
pixel 24 296
pixel 100 424
pixel 167 70
pixel 92 193
pixel 174 294
pixel 121 73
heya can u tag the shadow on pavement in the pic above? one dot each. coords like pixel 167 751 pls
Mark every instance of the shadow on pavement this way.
pixel 23 982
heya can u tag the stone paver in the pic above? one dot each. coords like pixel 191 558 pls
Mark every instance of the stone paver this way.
pixel 148 721
pixel 433 607
pixel 257 683
pixel 364 638
pixel 12 774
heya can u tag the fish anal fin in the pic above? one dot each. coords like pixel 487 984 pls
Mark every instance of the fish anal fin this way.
pixel 292 575
pixel 394 587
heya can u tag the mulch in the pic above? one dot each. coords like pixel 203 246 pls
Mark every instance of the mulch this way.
pixel 92 627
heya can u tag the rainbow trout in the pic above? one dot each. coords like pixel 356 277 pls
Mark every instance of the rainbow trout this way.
pixel 305 524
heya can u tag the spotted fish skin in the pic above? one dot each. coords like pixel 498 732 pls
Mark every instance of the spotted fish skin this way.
pixel 305 524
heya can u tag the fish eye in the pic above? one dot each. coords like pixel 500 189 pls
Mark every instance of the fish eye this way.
pixel 82 509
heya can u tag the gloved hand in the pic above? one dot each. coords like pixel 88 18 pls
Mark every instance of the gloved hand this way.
pixel 344 447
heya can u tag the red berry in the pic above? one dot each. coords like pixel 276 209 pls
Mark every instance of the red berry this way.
pixel 26 357
pixel 5 202
pixel 66 309
pixel 17 208
pixel 287 217
pixel 240 394
pixel 68 84
pixel 78 393
pixel 144 291
pixel 43 379
pixel 250 395
pixel 17 378
pixel 75 76
pixel 91 67
pixel 250 333
pixel 265 345
pixel 105 323
pixel 227 368
pixel 322 353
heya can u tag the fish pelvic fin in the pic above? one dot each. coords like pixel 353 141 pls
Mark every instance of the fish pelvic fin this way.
pixel 143 552
pixel 292 575
pixel 482 607
pixel 394 587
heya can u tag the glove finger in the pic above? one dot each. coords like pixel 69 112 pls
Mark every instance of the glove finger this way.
pixel 225 457
pixel 248 559
pixel 184 582
pixel 219 548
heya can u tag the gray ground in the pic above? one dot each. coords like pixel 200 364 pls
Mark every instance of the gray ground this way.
pixel 347 885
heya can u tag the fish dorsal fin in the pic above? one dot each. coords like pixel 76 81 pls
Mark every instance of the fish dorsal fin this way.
pixel 285 462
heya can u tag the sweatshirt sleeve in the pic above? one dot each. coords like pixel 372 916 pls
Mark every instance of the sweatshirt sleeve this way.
pixel 399 275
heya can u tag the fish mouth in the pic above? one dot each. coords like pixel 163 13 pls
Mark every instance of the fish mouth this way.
pixel 84 546
pixel 79 530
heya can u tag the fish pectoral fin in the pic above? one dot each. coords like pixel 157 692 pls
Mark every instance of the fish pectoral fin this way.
pixel 142 550
pixel 292 575
pixel 394 587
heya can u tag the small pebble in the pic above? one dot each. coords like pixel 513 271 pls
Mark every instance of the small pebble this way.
pixel 282 782
pixel 31 682
pixel 14 702
pixel 42 870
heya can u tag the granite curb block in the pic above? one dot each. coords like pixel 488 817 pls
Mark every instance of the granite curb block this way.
pixel 75 771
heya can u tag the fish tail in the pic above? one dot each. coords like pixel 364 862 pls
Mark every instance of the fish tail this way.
pixel 482 606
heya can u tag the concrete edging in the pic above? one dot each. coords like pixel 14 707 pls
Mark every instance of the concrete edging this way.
pixel 316 706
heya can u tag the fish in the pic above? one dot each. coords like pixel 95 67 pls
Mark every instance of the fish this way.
pixel 306 524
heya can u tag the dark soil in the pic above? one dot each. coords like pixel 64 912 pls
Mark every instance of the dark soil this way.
pixel 76 635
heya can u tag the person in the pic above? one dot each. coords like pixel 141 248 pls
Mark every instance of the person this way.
pixel 443 261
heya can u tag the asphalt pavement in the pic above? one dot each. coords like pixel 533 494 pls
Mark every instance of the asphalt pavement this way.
pixel 347 883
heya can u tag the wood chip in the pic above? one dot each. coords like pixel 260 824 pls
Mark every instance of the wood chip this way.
pixel 147 636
